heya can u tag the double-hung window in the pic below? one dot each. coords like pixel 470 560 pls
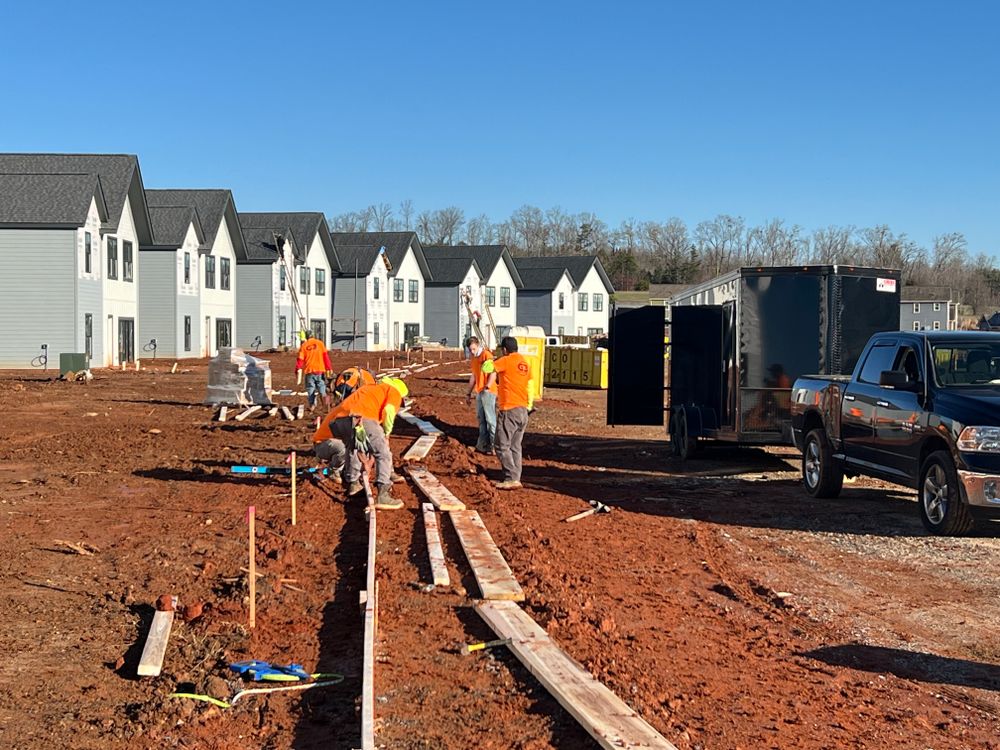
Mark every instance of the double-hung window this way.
pixel 598 303
pixel 321 281
pixel 87 252
pixel 224 273
pixel 210 272
pixel 375 287
pixel 491 296
pixel 112 258
pixel 581 302
pixel 187 268
pixel 414 290
pixel 304 281
pixel 505 296
pixel 127 272
pixel 397 290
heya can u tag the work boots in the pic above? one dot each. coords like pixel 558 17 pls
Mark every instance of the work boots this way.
pixel 385 500
pixel 355 488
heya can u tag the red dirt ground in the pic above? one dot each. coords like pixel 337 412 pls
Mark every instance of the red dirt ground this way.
pixel 719 601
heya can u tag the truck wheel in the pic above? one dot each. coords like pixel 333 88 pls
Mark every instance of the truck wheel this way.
pixel 940 497
pixel 682 442
pixel 821 474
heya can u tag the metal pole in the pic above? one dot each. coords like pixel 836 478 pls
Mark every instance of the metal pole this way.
pixel 354 336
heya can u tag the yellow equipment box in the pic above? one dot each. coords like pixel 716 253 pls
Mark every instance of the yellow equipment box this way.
pixel 576 366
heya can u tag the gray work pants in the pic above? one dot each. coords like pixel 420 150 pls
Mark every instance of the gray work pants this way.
pixel 511 425
pixel 343 429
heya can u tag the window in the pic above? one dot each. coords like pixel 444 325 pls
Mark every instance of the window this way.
pixel 879 359
pixel 468 292
pixel 598 304
pixel 491 296
pixel 282 274
pixel 937 325
pixel 594 331
pixel 223 332
pixel 916 325
pixel 562 301
pixel 505 296
pixel 127 274
pixel 282 330
pixel 375 334
pixel 112 258
pixel 187 333
pixel 375 287
pixel 224 277
pixel 187 268
pixel 304 280
pixel 916 307
pixel 414 290
pixel 210 272
pixel 397 290
pixel 321 281
pixel 581 302
pixel 87 264
pixel 937 307
pixel 318 328
pixel 88 333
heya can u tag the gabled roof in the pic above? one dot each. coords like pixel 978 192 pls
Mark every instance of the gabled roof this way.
pixel 305 225
pixel 213 205
pixel 541 279
pixel 395 243
pixel 170 227
pixel 487 256
pixel 451 271
pixel 49 200
pixel 577 266
pixel 120 178
pixel 261 246
pixel 356 257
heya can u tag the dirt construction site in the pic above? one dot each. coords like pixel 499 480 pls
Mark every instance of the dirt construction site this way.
pixel 718 601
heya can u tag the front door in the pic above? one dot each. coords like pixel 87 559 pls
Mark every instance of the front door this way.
pixel 411 332
pixel 223 332
pixel 126 339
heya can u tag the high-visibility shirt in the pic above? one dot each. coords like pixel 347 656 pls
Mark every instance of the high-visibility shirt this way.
pixel 313 357
pixel 378 402
pixel 513 380
pixel 477 371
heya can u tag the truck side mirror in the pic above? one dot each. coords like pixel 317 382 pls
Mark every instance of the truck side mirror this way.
pixel 896 380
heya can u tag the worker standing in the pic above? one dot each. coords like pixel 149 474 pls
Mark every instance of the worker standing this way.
pixel 350 380
pixel 512 375
pixel 485 395
pixel 363 422
pixel 314 361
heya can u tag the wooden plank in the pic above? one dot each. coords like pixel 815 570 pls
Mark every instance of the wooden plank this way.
pixel 272 411
pixel 421 424
pixel 420 448
pixel 495 579
pixel 223 412
pixel 603 714
pixel 301 411
pixel 287 413
pixel 153 652
pixel 439 571
pixel 436 492
pixel 247 413
pixel 370 627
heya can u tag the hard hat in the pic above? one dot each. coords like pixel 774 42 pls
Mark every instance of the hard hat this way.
pixel 398 384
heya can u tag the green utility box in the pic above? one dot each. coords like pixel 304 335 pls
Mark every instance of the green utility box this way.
pixel 72 362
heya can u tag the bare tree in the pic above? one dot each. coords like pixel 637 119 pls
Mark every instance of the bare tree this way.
pixel 718 242
pixel 445 225
pixel 832 245
pixel 406 214
pixel 479 231
pixel 381 216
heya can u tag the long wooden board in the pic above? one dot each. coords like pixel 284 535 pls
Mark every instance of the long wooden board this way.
pixel 421 424
pixel 153 652
pixel 603 714
pixel 495 579
pixel 436 492
pixel 370 627
pixel 439 571
pixel 252 410
pixel 420 448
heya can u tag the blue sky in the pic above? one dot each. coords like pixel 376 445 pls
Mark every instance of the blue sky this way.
pixel 816 112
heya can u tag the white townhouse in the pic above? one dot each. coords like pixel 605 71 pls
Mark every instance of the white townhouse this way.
pixel 591 294
pixel 96 310
pixel 567 295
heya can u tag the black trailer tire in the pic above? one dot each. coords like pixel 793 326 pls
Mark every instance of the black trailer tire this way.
pixel 822 474
pixel 684 443
pixel 939 496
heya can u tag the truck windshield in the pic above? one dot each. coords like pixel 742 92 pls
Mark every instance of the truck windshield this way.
pixel 967 363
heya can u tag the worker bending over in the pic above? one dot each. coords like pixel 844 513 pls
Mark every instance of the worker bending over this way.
pixel 512 375
pixel 350 380
pixel 314 361
pixel 363 422
pixel 485 395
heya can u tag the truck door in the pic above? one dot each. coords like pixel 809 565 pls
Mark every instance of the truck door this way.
pixel 636 366
pixel 857 419
pixel 898 417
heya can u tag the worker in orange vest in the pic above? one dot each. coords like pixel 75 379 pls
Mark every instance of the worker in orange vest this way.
pixel 512 375
pixel 350 380
pixel 314 361
pixel 485 395
pixel 362 422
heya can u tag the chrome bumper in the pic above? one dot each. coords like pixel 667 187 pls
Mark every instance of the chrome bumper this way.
pixel 982 490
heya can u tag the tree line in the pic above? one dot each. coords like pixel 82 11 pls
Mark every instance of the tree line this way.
pixel 639 253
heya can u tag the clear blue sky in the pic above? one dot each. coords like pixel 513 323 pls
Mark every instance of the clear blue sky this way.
pixel 815 112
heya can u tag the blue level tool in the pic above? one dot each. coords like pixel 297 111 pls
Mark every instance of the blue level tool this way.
pixel 286 470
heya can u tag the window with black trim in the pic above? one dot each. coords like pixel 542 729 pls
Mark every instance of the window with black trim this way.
pixel 505 296
pixel 414 290
pixel 321 281
pixel 491 296
pixel 210 272
pixel 224 273
pixel 87 252
pixel 112 258
pixel 187 268
pixel 397 290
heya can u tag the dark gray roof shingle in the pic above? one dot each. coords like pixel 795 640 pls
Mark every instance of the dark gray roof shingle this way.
pixel 540 279
pixel 578 266
pixel 170 225
pixel 360 257
pixel 487 256
pixel 450 271
pixel 49 200
pixel 305 225
pixel 260 243
pixel 395 243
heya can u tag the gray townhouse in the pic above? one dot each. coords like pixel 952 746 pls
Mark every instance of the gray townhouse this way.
pixel 454 294
pixel 928 309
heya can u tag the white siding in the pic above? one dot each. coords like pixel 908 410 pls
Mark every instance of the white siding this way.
pixel 314 306
pixel 473 281
pixel 563 318
pixel 120 297
pixel 401 313
pixel 219 303
pixel 585 320
pixel 378 309
pixel 90 288
pixel 503 317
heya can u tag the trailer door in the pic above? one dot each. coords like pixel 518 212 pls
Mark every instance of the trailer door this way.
pixel 697 360
pixel 635 369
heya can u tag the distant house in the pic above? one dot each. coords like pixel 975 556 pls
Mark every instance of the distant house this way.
pixel 361 299
pixel 455 289
pixel 70 230
pixel 546 299
pixel 658 295
pixel 582 309
pixel 309 270
pixel 928 309
pixel 214 323
pixel 407 275
pixel 170 286
pixel 501 284
pixel 265 313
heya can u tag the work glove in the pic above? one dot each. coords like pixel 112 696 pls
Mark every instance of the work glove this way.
pixel 361 438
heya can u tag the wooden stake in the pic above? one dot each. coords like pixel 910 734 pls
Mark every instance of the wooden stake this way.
pixel 251 517
pixel 298 377
pixel 173 369
pixel 293 487
pixel 137 365
pixel 379 365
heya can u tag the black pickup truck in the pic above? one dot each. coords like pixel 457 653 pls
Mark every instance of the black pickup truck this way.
pixel 920 409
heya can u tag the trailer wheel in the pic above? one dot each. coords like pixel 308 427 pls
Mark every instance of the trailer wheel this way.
pixel 682 442
pixel 822 476
pixel 940 498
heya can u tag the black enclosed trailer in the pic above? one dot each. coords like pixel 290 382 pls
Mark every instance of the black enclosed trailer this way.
pixel 736 345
